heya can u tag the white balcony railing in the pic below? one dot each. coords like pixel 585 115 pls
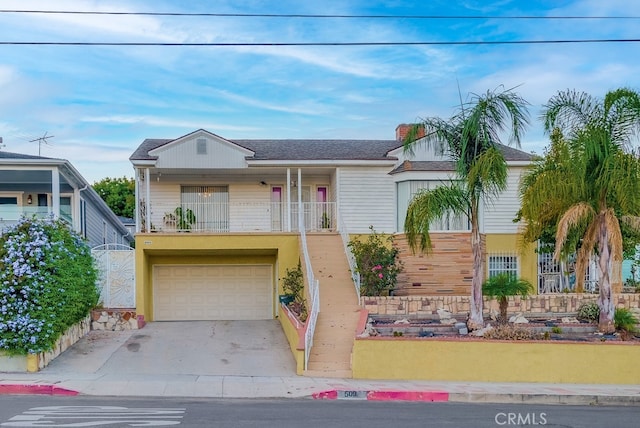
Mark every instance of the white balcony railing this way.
pixel 241 217
pixel 10 214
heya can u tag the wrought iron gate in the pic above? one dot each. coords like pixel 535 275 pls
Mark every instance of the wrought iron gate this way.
pixel 116 279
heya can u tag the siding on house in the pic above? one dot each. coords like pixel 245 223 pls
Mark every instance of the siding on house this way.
pixel 367 197
pixel 498 215
pixel 97 234
pixel 219 154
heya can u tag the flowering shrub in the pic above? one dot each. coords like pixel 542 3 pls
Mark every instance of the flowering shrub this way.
pixel 47 284
pixel 377 263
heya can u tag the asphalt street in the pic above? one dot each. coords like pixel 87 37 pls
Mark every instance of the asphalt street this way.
pixel 48 411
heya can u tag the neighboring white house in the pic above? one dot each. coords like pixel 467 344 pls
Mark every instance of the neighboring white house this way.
pixel 35 185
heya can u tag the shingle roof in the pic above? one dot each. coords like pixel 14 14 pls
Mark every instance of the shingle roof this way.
pixel 9 155
pixel 315 149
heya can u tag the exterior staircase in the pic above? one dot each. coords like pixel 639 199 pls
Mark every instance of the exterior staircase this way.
pixel 339 308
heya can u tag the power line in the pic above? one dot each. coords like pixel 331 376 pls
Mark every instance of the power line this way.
pixel 300 15
pixel 237 44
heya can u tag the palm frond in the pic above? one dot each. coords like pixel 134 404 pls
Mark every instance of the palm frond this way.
pixel 573 217
pixel 428 206
pixel 570 111
pixel 488 174
pixel 612 225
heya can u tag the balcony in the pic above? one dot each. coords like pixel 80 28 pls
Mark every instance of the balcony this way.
pixel 229 217
pixel 10 214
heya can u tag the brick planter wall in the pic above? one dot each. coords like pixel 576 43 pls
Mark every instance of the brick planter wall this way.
pixel 115 319
pixel 427 306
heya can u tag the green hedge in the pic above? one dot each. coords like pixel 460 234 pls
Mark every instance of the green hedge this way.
pixel 47 284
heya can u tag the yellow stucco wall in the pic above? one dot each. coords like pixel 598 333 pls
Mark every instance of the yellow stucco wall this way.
pixel 280 250
pixel 293 338
pixel 484 361
pixel 510 243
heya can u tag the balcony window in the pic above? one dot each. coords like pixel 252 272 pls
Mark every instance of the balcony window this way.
pixel 209 208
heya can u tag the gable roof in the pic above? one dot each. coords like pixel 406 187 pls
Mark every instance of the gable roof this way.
pixel 295 149
pixel 308 149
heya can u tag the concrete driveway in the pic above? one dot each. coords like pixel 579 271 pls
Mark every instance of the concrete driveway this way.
pixel 230 348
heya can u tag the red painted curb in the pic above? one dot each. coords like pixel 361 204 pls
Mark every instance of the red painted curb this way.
pixel 326 395
pixel 408 396
pixel 35 389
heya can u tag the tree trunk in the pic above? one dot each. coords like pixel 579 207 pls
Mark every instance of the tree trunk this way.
pixel 475 317
pixel 605 297
pixel 504 306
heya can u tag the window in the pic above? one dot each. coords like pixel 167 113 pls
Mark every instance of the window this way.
pixel 208 207
pixel 503 263
pixel 406 190
pixel 65 209
pixel 9 208
pixel 201 146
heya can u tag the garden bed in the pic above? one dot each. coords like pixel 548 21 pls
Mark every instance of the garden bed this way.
pixel 541 328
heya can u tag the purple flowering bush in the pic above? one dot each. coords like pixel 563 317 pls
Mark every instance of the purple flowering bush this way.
pixel 47 284
pixel 377 263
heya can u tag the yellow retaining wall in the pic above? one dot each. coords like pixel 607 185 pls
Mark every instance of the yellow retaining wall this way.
pixel 496 361
pixel 296 343
pixel 511 243
pixel 281 250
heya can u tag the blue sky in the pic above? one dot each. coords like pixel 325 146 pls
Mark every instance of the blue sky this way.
pixel 100 103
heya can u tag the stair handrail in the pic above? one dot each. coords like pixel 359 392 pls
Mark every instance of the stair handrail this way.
pixel 353 265
pixel 314 294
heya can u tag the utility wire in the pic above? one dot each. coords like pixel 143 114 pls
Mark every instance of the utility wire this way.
pixel 223 44
pixel 297 15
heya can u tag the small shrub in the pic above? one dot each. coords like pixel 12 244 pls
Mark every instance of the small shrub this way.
pixel 589 312
pixel 293 285
pixel 377 263
pixel 556 330
pixel 509 332
pixel 47 284
pixel 624 320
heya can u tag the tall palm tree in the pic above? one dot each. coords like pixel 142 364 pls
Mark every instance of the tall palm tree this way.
pixel 587 184
pixel 470 139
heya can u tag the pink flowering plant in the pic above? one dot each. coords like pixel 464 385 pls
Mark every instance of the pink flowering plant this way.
pixel 47 284
pixel 377 263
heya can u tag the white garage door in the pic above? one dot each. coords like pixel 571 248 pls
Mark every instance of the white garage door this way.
pixel 212 292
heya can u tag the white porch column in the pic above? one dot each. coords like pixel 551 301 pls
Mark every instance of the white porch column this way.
pixel 55 192
pixel 75 206
pixel 300 207
pixel 137 193
pixel 147 201
pixel 288 225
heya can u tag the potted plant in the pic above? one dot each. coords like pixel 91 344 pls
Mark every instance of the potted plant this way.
pixel 325 223
pixel 184 218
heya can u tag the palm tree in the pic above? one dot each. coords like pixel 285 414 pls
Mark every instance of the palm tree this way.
pixel 503 285
pixel 470 139
pixel 587 185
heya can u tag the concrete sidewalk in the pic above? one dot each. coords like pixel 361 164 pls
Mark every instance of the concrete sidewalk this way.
pixel 320 388
pixel 232 360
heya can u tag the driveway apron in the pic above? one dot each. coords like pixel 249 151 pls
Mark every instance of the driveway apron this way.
pixel 230 348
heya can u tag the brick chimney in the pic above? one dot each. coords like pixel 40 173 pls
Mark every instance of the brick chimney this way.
pixel 403 129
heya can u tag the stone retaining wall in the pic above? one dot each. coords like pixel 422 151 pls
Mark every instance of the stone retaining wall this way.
pixel 115 319
pixel 427 306
pixel 71 336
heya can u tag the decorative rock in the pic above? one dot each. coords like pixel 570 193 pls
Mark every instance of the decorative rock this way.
pixel 463 331
pixel 448 321
pixel 570 320
pixel 97 325
pixel 444 315
pixel 402 321
pixel 493 314
pixel 104 317
pixel 481 332
pixel 518 319
pixel 460 325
